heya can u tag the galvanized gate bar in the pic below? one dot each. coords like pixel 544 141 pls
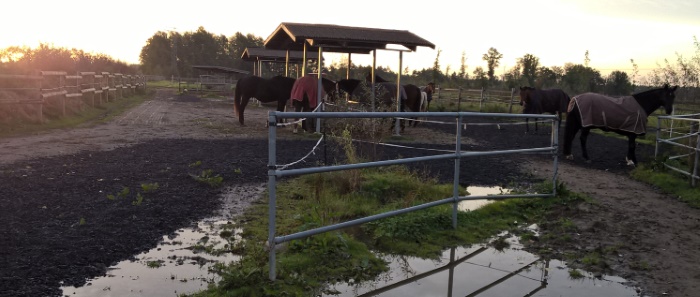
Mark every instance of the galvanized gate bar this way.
pixel 301 171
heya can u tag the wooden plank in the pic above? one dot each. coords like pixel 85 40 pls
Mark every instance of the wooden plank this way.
pixel 87 90
pixel 87 73
pixel 74 95
pixel 17 76
pixel 98 91
pixel 21 101
pixel 54 93
pixel 74 77
pixel 51 73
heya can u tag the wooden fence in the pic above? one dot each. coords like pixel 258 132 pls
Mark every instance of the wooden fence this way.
pixel 58 94
pixel 461 95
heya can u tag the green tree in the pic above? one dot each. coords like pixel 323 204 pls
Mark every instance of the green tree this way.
pixel 156 55
pixel 480 77
pixel 492 58
pixel 528 68
pixel 463 67
pixel 546 78
pixel 237 44
pixel 618 83
pixel 580 79
pixel 437 73
pixel 512 78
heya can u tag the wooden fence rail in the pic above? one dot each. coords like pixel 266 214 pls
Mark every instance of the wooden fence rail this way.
pixel 30 97
pixel 477 95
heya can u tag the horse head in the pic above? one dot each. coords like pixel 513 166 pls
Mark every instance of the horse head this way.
pixel 429 88
pixel 530 100
pixel 653 99
pixel 668 95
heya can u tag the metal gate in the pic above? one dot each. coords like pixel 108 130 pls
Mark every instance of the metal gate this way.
pixel 274 172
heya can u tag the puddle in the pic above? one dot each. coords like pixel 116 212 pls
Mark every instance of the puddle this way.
pixel 475 271
pixel 173 267
pixel 480 191
pixel 485 272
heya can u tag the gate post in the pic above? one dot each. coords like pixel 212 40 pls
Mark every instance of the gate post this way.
pixel 455 185
pixel 272 189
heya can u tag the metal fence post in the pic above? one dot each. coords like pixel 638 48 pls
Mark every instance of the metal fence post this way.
pixel 512 92
pixel 271 187
pixel 481 100
pixel 455 186
pixel 697 149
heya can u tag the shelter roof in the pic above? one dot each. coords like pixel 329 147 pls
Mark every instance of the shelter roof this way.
pixel 334 38
pixel 220 69
pixel 276 55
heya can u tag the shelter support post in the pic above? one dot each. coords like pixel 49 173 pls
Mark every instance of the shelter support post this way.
pixel 374 66
pixel 319 89
pixel 397 123
pixel 286 64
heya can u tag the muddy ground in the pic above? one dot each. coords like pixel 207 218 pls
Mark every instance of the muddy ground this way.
pixel 60 227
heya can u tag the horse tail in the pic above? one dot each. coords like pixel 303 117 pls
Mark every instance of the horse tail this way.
pixel 423 101
pixel 237 99
pixel 573 124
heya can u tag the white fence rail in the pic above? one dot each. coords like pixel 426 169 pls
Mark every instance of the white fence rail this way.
pixel 683 138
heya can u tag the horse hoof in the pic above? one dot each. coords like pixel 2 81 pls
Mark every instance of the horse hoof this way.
pixel 570 157
pixel 630 162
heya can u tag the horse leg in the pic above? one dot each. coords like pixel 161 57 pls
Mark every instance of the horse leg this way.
pixel 297 108
pixel 527 125
pixel 572 127
pixel 631 145
pixel 281 106
pixel 584 139
pixel 244 103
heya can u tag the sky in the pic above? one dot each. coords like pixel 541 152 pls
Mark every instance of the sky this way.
pixel 557 32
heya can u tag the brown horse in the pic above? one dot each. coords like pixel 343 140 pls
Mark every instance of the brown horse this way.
pixel 536 101
pixel 273 89
pixel 415 101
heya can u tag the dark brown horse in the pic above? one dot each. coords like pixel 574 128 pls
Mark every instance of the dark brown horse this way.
pixel 625 116
pixel 275 89
pixel 536 101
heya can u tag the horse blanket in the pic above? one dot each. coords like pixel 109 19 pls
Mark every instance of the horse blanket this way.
pixel 307 85
pixel 623 113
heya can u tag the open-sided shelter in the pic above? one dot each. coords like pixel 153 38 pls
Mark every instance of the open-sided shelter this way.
pixel 259 55
pixel 343 39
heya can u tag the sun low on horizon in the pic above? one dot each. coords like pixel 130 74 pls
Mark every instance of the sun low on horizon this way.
pixel 557 32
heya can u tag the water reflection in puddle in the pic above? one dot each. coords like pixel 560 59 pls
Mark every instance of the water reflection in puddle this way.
pixel 175 267
pixel 480 191
pixel 481 271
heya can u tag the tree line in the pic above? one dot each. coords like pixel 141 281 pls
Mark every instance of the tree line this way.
pixel 27 61
pixel 172 54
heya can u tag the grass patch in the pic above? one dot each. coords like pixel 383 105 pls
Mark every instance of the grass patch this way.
pixel 89 116
pixel 670 182
pixel 307 266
